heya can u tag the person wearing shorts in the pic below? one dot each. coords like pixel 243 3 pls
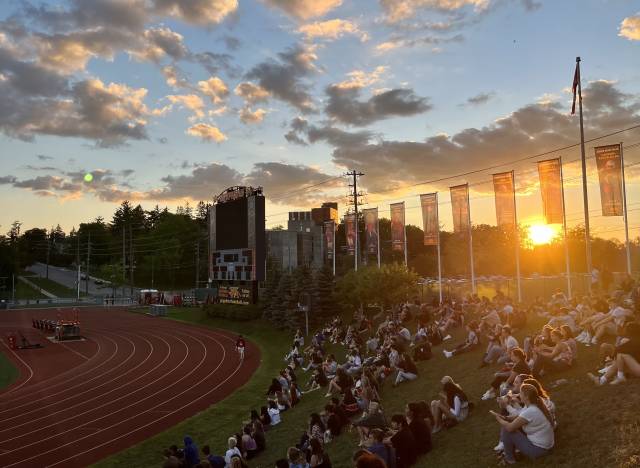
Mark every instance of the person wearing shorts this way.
pixel 240 345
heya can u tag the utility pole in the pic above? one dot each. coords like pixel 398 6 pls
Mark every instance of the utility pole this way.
pixel 48 252
pixel 355 194
pixel 78 265
pixel 86 283
pixel 197 263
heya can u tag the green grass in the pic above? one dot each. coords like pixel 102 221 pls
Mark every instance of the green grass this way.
pixel 24 291
pixel 51 286
pixel 8 372
pixel 599 426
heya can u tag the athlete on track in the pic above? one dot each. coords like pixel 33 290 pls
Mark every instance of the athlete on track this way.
pixel 240 345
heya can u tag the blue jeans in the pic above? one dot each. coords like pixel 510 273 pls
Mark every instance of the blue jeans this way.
pixel 518 440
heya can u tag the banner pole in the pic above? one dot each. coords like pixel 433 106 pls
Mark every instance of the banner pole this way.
pixel 473 274
pixel 404 220
pixel 566 241
pixel 626 218
pixel 333 257
pixel 438 250
pixel 378 233
pixel 517 236
pixel 585 197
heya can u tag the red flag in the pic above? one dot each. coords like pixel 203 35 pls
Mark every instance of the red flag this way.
pixel 576 82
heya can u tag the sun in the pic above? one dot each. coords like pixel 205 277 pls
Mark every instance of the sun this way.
pixel 541 234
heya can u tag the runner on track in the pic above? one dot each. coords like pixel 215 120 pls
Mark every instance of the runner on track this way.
pixel 240 345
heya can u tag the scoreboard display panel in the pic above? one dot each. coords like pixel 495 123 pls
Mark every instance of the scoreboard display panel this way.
pixel 232 229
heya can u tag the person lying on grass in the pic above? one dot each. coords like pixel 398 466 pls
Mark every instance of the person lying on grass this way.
pixel 531 432
pixel 453 406
pixel 470 343
pixel 507 375
pixel 627 359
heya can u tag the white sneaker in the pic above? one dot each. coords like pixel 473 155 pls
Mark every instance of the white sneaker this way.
pixel 499 447
pixel 581 336
pixel 447 354
pixel 618 380
pixel 448 337
pixel 489 395
pixel 594 341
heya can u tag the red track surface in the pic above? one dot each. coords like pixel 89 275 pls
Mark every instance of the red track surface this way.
pixel 134 376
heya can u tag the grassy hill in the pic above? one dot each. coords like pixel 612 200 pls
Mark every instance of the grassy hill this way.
pixel 598 426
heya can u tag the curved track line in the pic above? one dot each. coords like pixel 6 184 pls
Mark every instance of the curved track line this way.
pixel 23 363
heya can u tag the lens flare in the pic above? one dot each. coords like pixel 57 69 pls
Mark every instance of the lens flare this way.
pixel 88 177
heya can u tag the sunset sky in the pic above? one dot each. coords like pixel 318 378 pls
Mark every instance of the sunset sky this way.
pixel 168 101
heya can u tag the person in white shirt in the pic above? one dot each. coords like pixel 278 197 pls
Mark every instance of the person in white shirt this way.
pixel 611 323
pixel 499 352
pixel 531 432
pixel 232 452
pixel 274 412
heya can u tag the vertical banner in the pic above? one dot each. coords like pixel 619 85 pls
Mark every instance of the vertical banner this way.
pixel 504 191
pixel 329 238
pixel 430 223
pixel 550 174
pixel 609 163
pixel 350 232
pixel 371 230
pixel 460 207
pixel 397 226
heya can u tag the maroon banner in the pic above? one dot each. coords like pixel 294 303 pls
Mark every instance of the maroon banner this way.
pixel 350 231
pixel 460 207
pixel 329 238
pixel 504 191
pixel 397 226
pixel 550 174
pixel 371 230
pixel 430 223
pixel 609 161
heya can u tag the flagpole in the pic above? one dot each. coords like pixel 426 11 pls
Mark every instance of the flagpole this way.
pixel 438 250
pixel 517 236
pixel 587 236
pixel 566 241
pixel 473 274
pixel 333 257
pixel 626 218
pixel 378 233
pixel 404 219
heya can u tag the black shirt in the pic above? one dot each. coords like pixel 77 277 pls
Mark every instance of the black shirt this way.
pixel 405 445
pixel 421 434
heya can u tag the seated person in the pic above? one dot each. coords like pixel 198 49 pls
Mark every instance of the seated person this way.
pixel 318 379
pixel 407 370
pixel 340 383
pixel 470 343
pixel 557 359
pixel 507 376
pixel 371 419
pixel 275 386
pixel 274 412
pixel 385 451
pixel 627 359
pixel 420 429
pixel 453 406
pixel 403 442
pixel 531 432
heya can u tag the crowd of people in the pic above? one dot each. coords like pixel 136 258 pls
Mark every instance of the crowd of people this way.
pixel 383 349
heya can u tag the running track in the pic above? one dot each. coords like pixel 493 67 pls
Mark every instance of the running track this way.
pixel 134 376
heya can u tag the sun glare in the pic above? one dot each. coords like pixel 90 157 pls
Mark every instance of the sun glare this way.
pixel 540 234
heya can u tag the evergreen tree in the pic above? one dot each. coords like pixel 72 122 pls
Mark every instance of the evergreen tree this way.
pixel 323 305
pixel 271 288
pixel 284 302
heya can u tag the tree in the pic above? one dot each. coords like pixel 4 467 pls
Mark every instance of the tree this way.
pixel 324 304
pixel 271 289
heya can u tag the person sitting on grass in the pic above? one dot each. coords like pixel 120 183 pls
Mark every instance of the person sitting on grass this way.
pixel 274 413
pixel 296 458
pixel 257 432
pixel 275 387
pixel 611 323
pixel 419 428
pixel 319 459
pixel 385 451
pixel 232 451
pixel 170 460
pixel 369 460
pixel 470 343
pixel 407 370
pixel 265 417
pixel 330 366
pixel 547 360
pixel 453 406
pixel 500 347
pixel 403 441
pixel 531 432
pixel 191 453
pixel 318 380
pixel 627 359
pixel 283 400
pixel 340 383
pixel 216 461
pixel 506 377
pixel 334 421
pixel 371 419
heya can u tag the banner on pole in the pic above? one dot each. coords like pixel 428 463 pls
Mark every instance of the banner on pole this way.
pixel 371 230
pixel 460 207
pixel 504 190
pixel 350 231
pixel 329 238
pixel 430 223
pixel 397 226
pixel 609 163
pixel 550 174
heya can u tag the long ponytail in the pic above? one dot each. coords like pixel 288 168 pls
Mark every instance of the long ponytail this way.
pixel 534 398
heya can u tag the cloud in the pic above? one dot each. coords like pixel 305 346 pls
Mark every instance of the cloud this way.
pixel 192 102
pixel 630 28
pixel 215 89
pixel 282 78
pixel 304 9
pixel 199 12
pixel 331 30
pixel 206 132
pixel 204 182
pixel 362 79
pixel 251 93
pixel 247 116
pixel 42 157
pixel 399 10
pixel 302 133
pixel 531 5
pixel 160 43
pixel 174 77
pixel 344 105
pixel 232 43
pixel 531 129
pixel 480 99
pixel 400 42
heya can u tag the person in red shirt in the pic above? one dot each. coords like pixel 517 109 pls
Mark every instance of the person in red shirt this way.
pixel 240 345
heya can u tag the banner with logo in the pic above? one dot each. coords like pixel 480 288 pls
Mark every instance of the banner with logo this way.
pixel 397 226
pixel 504 191
pixel 329 238
pixel 372 236
pixel 350 232
pixel 430 226
pixel 460 207
pixel 609 163
pixel 550 174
